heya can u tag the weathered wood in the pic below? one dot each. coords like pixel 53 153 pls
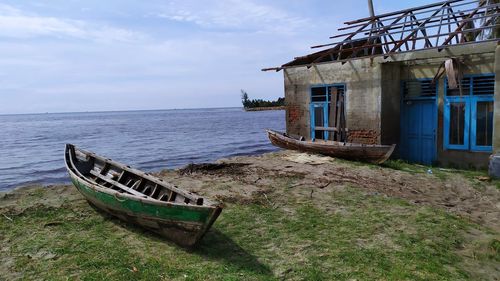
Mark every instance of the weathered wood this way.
pixel 395 25
pixel 127 169
pixel 342 119
pixel 378 36
pixel 172 196
pixel 271 69
pixel 117 184
pixel 413 38
pixel 341 45
pixel 421 25
pixel 184 222
pixel 352 151
pixel 402 11
pixel 333 108
pixel 459 28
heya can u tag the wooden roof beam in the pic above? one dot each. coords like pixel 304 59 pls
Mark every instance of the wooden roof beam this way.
pixel 414 12
pixel 415 30
pixel 404 11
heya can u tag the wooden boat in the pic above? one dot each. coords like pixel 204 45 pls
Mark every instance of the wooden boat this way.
pixel 352 151
pixel 140 198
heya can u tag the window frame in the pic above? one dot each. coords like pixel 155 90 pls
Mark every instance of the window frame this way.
pixel 470 121
pixel 324 104
pixel 473 130
pixel 467 119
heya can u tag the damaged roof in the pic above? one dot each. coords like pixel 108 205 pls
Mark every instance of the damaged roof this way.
pixel 433 26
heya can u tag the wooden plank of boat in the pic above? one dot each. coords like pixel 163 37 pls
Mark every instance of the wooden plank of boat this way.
pixel 140 198
pixel 352 151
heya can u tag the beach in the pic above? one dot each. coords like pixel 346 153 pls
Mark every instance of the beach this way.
pixel 287 216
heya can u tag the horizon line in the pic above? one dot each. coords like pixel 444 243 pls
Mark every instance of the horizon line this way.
pixel 120 110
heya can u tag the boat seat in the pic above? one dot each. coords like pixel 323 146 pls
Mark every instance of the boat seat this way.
pixel 119 185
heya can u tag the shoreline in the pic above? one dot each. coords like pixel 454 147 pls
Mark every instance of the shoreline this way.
pixel 281 209
pixel 226 166
pixel 265 108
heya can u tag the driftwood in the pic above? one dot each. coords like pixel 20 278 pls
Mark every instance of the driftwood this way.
pixel 7 217
pixel 211 168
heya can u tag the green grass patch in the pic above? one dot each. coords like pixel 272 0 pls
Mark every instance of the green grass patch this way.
pixel 401 165
pixel 494 250
pixel 358 237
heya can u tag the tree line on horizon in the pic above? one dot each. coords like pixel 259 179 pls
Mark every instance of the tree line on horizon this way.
pixel 248 103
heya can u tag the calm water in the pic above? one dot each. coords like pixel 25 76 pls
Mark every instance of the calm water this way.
pixel 32 146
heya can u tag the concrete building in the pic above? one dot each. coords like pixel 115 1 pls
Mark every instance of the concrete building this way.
pixel 400 91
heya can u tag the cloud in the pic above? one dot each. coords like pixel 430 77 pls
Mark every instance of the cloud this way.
pixel 202 62
pixel 234 14
pixel 16 24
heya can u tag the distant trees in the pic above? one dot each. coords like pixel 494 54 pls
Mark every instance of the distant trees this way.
pixel 247 103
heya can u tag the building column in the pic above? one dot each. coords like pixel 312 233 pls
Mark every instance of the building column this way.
pixel 496 114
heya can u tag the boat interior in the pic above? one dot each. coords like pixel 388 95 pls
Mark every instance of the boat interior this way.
pixel 108 174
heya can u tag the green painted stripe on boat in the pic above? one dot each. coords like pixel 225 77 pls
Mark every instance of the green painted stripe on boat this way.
pixel 171 212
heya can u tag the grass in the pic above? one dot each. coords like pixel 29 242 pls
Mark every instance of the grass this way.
pixel 471 174
pixel 356 237
pixel 495 250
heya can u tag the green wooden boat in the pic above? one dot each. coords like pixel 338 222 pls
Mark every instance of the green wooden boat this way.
pixel 140 198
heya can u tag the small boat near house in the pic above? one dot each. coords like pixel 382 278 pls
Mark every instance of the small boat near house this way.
pixel 140 198
pixel 377 154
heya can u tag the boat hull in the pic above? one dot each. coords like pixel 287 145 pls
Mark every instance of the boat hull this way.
pixel 358 152
pixel 184 225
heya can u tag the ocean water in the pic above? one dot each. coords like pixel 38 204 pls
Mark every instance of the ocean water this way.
pixel 32 146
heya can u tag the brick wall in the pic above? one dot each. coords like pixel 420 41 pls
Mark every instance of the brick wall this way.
pixel 363 136
pixel 294 113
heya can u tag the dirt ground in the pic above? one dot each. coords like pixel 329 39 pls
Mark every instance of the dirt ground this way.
pixel 246 179
pixel 283 179
pixel 254 178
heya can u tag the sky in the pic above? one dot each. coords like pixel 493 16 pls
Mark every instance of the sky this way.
pixel 95 55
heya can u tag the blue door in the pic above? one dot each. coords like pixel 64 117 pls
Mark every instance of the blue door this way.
pixel 418 130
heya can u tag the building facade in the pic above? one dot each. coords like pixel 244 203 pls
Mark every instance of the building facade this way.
pixel 398 97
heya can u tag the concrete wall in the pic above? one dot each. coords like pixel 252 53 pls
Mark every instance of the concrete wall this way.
pixel 297 102
pixel 373 92
pixel 363 95
pixel 496 121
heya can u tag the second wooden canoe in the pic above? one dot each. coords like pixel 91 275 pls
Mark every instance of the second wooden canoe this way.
pixel 352 151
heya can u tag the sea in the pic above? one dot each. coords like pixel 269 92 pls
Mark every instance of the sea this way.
pixel 32 145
